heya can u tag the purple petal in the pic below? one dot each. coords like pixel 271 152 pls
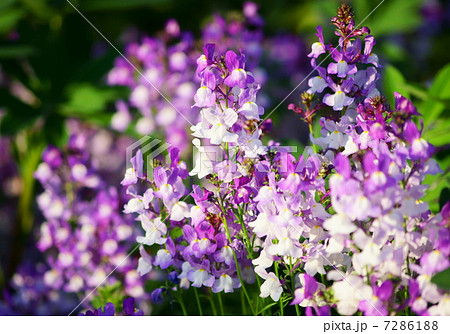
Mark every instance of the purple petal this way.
pixel 231 61
pixel 128 306
pixel 385 290
pixel 342 165
pixel 208 49
pixel 160 176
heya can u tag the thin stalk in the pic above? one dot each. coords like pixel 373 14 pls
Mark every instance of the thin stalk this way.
pixel 297 309
pixel 238 271
pixel 219 297
pixel 244 310
pixel 247 239
pixel 280 301
pixel 211 300
pixel 312 133
pixel 249 248
pixel 198 302
pixel 180 301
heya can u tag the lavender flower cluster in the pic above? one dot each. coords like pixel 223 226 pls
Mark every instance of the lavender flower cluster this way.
pixel 84 236
pixel 165 64
pixel 342 227
pixel 163 94
pixel 30 295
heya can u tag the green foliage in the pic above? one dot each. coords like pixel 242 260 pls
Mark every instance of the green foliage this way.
pixel 109 294
pixel 92 5
pixel 394 82
pixel 442 279
pixel 434 109
pixel 86 100
pixel 176 233
pixel 9 18
pixel 391 15
pixel 437 129
pixel 267 307
pixel 439 185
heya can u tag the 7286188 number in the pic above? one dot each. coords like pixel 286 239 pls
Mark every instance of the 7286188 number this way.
pixel 411 325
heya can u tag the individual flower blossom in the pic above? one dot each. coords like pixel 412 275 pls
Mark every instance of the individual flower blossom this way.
pixel 235 65
pixel 318 83
pixel 339 99
pixel 226 284
pixel 307 291
pixel 319 47
pixel 157 295
pixel 154 230
pixel 205 96
pixel 342 67
pixel 216 125
pixel 349 293
pixel 271 287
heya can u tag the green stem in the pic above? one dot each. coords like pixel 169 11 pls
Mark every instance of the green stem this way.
pixel 297 309
pixel 180 301
pixel 312 133
pixel 211 300
pixel 280 301
pixel 219 297
pixel 248 246
pixel 198 302
pixel 238 271
pixel 227 90
pixel 227 150
pixel 244 310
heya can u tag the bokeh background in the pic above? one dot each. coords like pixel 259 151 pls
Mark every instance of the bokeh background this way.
pixel 53 79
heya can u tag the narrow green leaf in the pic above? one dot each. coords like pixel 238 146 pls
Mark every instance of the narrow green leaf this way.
pixel 439 133
pixel 438 93
pixel 16 51
pixel 266 308
pixel 394 82
pixel 442 279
